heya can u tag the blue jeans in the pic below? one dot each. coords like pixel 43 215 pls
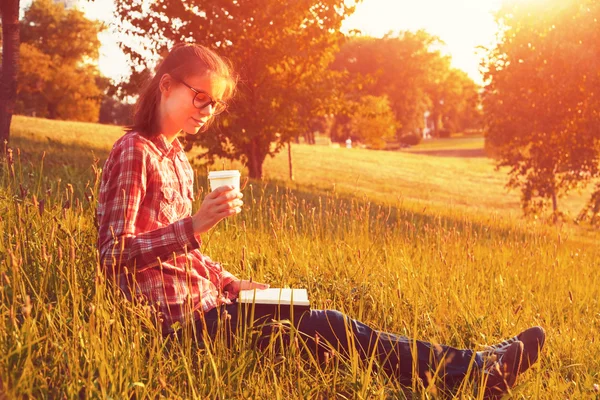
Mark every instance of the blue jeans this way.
pixel 323 330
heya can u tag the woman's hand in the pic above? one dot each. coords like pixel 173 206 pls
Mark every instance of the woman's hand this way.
pixel 221 203
pixel 233 288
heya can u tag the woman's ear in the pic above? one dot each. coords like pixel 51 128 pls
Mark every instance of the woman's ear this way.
pixel 165 83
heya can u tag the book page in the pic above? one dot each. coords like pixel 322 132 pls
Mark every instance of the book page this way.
pixel 297 297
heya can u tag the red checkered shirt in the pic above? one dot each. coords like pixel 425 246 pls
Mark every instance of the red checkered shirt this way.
pixel 145 235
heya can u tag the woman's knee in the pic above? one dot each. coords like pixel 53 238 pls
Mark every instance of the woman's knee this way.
pixel 330 326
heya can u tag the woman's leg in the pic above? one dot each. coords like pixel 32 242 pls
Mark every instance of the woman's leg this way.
pixel 323 330
pixel 397 355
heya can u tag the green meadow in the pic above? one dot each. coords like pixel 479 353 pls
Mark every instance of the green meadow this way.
pixel 431 246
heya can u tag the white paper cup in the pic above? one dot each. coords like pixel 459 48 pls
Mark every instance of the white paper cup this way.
pixel 223 178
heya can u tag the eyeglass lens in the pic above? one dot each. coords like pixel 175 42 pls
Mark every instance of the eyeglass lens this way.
pixel 202 100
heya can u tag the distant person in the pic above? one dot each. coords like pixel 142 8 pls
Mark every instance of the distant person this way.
pixel 149 240
pixel 348 143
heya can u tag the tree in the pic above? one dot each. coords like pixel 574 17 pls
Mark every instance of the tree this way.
pixel 464 103
pixel 541 98
pixel 407 68
pixel 373 121
pixel 321 124
pixel 115 112
pixel 280 48
pixel 454 100
pixel 9 11
pixel 35 70
pixel 57 78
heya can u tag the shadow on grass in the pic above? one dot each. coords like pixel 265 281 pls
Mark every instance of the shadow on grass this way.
pixel 72 163
pixel 397 219
pixel 464 153
pixel 56 161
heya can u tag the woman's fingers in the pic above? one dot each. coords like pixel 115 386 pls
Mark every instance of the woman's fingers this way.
pixel 225 193
pixel 233 288
pixel 221 203
pixel 231 198
pixel 219 192
pixel 226 201
pixel 224 208
pixel 248 285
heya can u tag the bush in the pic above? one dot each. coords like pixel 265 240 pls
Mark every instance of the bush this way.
pixel 444 133
pixel 411 139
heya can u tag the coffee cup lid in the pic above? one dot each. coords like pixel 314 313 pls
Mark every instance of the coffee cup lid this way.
pixel 223 174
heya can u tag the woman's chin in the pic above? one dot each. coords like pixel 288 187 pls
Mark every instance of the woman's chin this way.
pixel 193 130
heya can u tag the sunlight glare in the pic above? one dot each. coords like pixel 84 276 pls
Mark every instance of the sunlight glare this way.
pixel 462 25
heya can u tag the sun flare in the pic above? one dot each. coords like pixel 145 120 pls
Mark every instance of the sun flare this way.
pixel 462 25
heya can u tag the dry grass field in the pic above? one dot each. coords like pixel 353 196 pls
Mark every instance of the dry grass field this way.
pixel 430 247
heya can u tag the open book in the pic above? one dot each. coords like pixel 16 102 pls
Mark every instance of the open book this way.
pixel 275 296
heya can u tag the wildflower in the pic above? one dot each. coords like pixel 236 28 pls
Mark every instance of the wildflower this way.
pixel 162 382
pixel 26 309
pixel 11 162
pixel 72 249
pixel 24 191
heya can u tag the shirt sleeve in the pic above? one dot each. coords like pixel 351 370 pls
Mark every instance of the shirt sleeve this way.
pixel 125 189
pixel 227 277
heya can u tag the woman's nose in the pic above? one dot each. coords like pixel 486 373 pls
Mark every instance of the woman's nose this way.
pixel 208 110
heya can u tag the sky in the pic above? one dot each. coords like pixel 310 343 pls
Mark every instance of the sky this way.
pixel 461 24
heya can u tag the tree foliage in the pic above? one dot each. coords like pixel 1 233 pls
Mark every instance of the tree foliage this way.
pixel 281 50
pixel 115 112
pixel 57 78
pixel 372 121
pixel 415 76
pixel 541 99
pixel 455 101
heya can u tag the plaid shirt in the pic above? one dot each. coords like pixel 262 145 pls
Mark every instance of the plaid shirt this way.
pixel 145 235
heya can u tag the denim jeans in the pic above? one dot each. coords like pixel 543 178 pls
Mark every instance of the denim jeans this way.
pixel 324 330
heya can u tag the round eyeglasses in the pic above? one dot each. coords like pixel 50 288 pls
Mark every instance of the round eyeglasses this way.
pixel 202 100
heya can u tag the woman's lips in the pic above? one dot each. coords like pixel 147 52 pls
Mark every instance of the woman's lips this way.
pixel 198 122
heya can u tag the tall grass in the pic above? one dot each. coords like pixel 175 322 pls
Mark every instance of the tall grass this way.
pixel 444 277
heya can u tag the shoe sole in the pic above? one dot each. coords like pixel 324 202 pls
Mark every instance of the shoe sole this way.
pixel 507 369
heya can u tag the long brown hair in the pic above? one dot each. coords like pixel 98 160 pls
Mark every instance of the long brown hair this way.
pixel 182 61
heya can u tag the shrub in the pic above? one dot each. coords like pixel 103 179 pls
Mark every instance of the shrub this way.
pixel 411 139
pixel 444 133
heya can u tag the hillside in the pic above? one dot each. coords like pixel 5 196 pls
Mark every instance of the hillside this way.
pixel 448 259
pixel 414 178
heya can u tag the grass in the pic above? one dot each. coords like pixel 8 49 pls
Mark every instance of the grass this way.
pixel 459 143
pixel 468 274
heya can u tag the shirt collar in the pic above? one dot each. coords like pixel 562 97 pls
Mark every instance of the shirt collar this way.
pixel 165 147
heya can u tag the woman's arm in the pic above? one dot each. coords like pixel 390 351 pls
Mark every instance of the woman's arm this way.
pixel 120 206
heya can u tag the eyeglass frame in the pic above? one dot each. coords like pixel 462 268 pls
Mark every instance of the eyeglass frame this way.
pixel 211 103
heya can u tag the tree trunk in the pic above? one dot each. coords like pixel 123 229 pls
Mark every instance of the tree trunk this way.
pixel 554 203
pixel 256 157
pixel 52 110
pixel 437 124
pixel 290 160
pixel 9 10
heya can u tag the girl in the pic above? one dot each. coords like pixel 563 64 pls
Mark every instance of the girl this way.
pixel 149 240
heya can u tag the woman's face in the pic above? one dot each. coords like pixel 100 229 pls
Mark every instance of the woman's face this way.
pixel 177 109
